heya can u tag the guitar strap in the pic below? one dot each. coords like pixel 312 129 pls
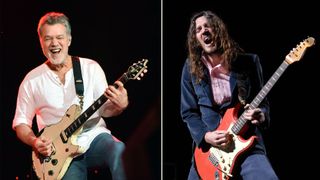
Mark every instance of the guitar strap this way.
pixel 78 78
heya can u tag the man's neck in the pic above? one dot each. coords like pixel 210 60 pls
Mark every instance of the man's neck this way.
pixel 64 66
pixel 213 58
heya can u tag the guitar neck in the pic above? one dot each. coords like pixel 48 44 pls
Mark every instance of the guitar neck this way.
pixel 260 96
pixel 90 110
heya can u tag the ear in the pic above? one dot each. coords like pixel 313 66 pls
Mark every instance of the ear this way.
pixel 69 43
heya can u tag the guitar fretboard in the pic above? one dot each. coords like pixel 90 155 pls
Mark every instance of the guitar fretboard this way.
pixel 260 96
pixel 90 110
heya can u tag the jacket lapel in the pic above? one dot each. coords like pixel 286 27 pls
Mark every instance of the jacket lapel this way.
pixel 206 85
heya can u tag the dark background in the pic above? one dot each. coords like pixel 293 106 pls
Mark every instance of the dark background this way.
pixel 272 30
pixel 116 34
pixel 119 33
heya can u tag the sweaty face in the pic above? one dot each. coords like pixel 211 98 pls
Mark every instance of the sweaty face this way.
pixel 55 42
pixel 204 35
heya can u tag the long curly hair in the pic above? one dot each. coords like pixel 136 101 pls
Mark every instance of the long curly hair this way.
pixel 226 46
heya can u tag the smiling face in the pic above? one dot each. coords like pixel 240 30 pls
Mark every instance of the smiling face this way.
pixel 205 34
pixel 55 42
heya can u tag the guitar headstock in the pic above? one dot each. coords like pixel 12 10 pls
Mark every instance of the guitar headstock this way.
pixel 136 69
pixel 297 53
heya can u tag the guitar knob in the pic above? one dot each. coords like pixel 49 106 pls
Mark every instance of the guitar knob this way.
pixel 50 173
pixel 54 162
pixel 225 177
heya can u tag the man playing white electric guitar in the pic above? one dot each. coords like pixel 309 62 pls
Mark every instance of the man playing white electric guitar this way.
pixel 57 92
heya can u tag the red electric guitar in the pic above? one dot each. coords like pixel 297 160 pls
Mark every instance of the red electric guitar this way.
pixel 217 164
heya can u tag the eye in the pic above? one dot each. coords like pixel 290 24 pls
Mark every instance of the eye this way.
pixel 198 29
pixel 47 38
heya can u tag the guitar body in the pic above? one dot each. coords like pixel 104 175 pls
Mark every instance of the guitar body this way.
pixel 217 164
pixel 64 149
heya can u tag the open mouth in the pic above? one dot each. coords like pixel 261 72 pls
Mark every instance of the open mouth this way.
pixel 55 51
pixel 207 40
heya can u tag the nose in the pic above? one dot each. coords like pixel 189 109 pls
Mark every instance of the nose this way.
pixel 205 30
pixel 54 41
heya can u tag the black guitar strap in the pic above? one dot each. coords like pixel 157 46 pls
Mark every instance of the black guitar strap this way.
pixel 78 78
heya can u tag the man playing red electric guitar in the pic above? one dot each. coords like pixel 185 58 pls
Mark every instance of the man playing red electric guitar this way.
pixel 217 83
